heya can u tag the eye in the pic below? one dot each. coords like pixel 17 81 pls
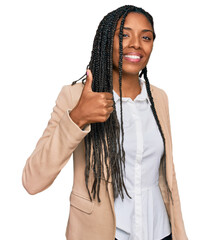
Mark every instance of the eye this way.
pixel 124 35
pixel 146 38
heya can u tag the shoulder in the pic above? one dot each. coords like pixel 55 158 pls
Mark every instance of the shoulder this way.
pixel 67 89
pixel 158 90
pixel 69 94
pixel 159 93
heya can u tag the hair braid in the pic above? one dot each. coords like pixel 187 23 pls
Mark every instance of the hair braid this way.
pixel 101 66
pixel 144 72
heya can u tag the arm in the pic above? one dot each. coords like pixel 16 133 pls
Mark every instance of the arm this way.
pixel 178 219
pixel 53 150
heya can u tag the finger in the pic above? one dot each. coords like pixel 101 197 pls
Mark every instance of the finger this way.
pixel 110 109
pixel 89 80
pixel 110 103
pixel 108 95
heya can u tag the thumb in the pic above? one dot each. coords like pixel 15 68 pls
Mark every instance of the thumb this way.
pixel 89 80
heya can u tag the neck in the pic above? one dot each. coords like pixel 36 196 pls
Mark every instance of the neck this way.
pixel 130 84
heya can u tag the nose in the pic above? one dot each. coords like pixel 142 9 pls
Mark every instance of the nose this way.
pixel 135 42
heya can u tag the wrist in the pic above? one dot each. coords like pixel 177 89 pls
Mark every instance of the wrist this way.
pixel 77 118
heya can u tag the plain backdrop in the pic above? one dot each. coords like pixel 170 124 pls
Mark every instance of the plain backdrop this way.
pixel 46 44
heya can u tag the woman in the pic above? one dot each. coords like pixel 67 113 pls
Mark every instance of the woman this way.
pixel 134 193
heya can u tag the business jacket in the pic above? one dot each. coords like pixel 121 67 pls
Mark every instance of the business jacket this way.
pixel 62 137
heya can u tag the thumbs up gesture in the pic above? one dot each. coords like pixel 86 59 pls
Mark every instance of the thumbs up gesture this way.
pixel 92 106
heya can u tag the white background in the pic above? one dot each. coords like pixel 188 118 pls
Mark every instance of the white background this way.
pixel 47 44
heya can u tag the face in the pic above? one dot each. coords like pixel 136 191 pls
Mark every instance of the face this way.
pixel 137 43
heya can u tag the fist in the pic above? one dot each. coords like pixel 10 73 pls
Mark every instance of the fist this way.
pixel 92 106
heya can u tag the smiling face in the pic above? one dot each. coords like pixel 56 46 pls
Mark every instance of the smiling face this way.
pixel 137 44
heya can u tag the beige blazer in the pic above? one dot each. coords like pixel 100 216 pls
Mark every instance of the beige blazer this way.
pixel 62 137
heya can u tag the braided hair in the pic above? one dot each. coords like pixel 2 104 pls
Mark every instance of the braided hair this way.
pixel 101 66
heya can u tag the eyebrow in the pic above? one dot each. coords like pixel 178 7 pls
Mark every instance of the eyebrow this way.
pixel 144 30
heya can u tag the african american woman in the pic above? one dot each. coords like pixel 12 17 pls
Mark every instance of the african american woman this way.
pixel 117 126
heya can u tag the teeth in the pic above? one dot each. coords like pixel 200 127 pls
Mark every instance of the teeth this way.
pixel 133 56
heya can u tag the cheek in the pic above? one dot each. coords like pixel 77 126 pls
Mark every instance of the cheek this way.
pixel 148 49
pixel 115 46
pixel 115 51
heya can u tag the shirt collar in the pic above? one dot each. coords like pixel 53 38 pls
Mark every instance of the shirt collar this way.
pixel 140 97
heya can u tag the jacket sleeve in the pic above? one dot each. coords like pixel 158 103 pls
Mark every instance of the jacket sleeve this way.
pixel 178 219
pixel 53 150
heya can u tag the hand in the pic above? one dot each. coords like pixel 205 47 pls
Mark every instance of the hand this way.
pixel 92 106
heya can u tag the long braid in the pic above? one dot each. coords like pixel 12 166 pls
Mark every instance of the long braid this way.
pixel 129 9
pixel 101 66
pixel 144 72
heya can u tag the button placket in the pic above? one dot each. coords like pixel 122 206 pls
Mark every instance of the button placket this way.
pixel 138 174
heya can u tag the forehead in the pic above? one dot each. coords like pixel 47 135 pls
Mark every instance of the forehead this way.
pixel 135 20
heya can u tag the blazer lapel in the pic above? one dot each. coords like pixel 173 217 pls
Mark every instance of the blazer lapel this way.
pixel 160 109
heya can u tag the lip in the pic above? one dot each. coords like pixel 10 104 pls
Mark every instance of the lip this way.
pixel 134 53
pixel 132 59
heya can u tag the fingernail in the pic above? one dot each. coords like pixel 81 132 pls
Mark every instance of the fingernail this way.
pixel 87 73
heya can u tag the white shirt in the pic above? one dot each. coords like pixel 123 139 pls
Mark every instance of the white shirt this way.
pixel 143 217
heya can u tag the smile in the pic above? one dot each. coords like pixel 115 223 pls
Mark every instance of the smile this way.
pixel 132 58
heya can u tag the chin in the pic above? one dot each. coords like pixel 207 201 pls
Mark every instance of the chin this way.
pixel 132 67
pixel 131 70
